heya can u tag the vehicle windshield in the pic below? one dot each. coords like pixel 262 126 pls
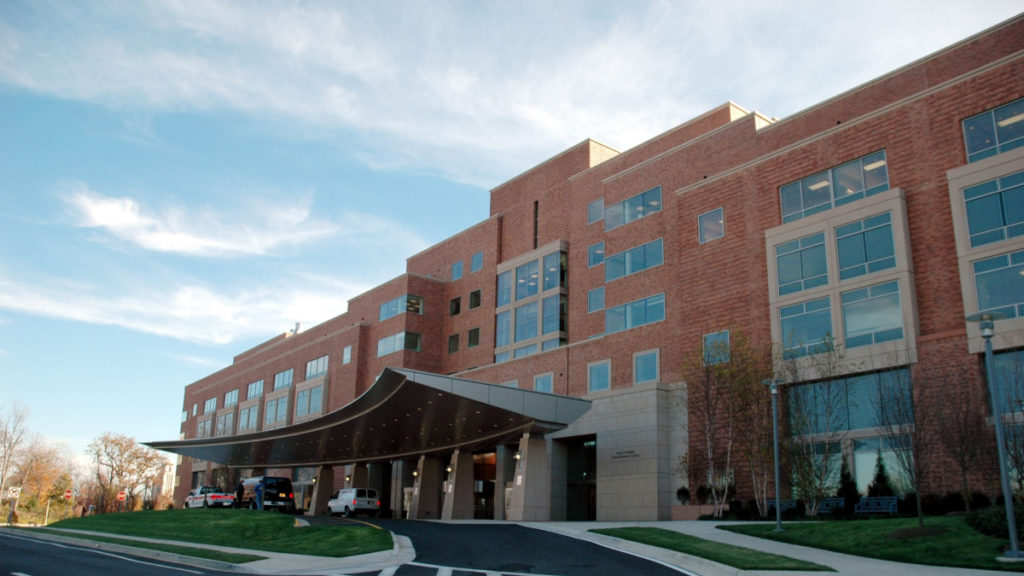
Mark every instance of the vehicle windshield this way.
pixel 279 484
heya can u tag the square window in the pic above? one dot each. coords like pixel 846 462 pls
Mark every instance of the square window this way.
pixel 527 280
pixel 453 343
pixel 645 367
pixel 1000 284
pixel 543 382
pixel 994 131
pixel 599 376
pixel 711 225
pixel 716 347
pixel 865 246
pixel 801 264
pixel 476 263
pixel 454 306
pixel 473 338
pixel 595 300
pixel 806 327
pixel 474 299
pixel 457 270
pixel 872 315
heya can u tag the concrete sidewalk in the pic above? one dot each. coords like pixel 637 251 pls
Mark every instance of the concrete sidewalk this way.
pixel 403 552
pixel 843 564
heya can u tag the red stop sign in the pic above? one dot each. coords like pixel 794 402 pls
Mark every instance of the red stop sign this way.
pixel 120 496
pixel 67 494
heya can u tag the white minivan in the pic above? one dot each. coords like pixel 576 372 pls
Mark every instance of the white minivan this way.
pixel 351 501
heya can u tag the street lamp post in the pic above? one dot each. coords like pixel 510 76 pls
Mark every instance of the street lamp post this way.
pixel 986 322
pixel 773 385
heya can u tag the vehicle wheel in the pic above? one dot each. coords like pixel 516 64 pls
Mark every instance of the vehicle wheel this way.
pixel 348 513
pixel 374 513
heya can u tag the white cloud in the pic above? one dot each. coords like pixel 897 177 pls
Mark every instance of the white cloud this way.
pixel 175 229
pixel 474 93
pixel 190 313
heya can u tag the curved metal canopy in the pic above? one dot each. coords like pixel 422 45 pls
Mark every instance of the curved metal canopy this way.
pixel 405 413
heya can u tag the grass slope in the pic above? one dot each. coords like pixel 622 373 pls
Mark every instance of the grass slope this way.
pixel 735 556
pixel 238 529
pixel 945 541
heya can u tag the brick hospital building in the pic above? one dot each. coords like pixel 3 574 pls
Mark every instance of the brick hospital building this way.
pixel 532 366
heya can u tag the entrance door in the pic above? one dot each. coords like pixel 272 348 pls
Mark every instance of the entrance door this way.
pixel 581 473
pixel 484 468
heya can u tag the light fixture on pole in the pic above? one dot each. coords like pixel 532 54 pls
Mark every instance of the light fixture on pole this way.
pixel 773 385
pixel 986 322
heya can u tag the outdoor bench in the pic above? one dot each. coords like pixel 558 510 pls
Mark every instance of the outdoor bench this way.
pixel 829 504
pixel 876 505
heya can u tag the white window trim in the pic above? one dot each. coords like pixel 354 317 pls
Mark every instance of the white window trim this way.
pixel 874 356
pixel 549 375
pixel 1010 332
pixel 607 362
pixel 699 239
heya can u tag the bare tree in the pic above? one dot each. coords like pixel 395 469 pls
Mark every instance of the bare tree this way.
pixel 906 425
pixel 963 433
pixel 752 366
pixel 12 438
pixel 123 464
pixel 817 415
pixel 1009 378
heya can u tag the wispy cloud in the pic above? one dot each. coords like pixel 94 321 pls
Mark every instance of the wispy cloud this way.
pixel 176 229
pixel 467 92
pixel 190 313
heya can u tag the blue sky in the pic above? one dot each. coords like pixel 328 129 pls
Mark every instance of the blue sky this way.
pixel 183 180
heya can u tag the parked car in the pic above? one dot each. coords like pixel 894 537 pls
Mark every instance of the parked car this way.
pixel 209 497
pixel 277 493
pixel 352 501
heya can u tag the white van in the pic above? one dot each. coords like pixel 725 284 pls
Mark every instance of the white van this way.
pixel 351 501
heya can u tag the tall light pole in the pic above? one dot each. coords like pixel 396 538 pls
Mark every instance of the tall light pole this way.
pixel 986 322
pixel 773 385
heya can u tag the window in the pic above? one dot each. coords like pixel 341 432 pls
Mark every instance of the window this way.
pixel 346 354
pixel 554 310
pixel 526 280
pixel 503 329
pixel 711 225
pixel 1009 381
pixel 524 351
pixel 473 338
pixel 552 344
pixel 994 131
pixel 502 357
pixel 203 428
pixel 595 300
pixel 195 408
pixel 476 263
pixel 633 260
pixel 453 343
pixel 405 303
pixel 316 367
pixel 995 209
pixel 526 322
pixel 283 379
pixel 457 270
pixel 210 406
pixel 231 398
pixel 857 179
pixel 543 382
pixel 1000 282
pixel 555 265
pixel 396 342
pixel 865 246
pixel 595 211
pixel 595 255
pixel 872 315
pixel 184 416
pixel 599 376
pixel 849 403
pixel 255 390
pixel 474 299
pixel 454 306
pixel 309 401
pixel 248 417
pixel 801 264
pixel 631 209
pixel 716 347
pixel 511 383
pixel 645 367
pixel 504 292
pixel 225 424
pixel 806 327
pixel 276 412
pixel 634 314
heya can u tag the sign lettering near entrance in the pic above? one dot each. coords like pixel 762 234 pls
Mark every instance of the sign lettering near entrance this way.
pixel 624 454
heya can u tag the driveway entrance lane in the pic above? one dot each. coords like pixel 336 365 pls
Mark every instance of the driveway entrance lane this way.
pixel 510 548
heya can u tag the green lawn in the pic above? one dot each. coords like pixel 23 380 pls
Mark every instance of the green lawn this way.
pixel 248 529
pixel 171 548
pixel 735 556
pixel 945 541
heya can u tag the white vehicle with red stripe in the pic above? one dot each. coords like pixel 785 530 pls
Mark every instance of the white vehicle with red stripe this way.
pixel 209 497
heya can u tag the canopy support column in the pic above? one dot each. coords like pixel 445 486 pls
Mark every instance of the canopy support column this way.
pixel 458 489
pixel 531 488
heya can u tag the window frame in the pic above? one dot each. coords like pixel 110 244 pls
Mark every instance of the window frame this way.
pixel 638 356
pixel 550 376
pixel 607 364
pixel 991 115
pixel 702 237
pixel 870 162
